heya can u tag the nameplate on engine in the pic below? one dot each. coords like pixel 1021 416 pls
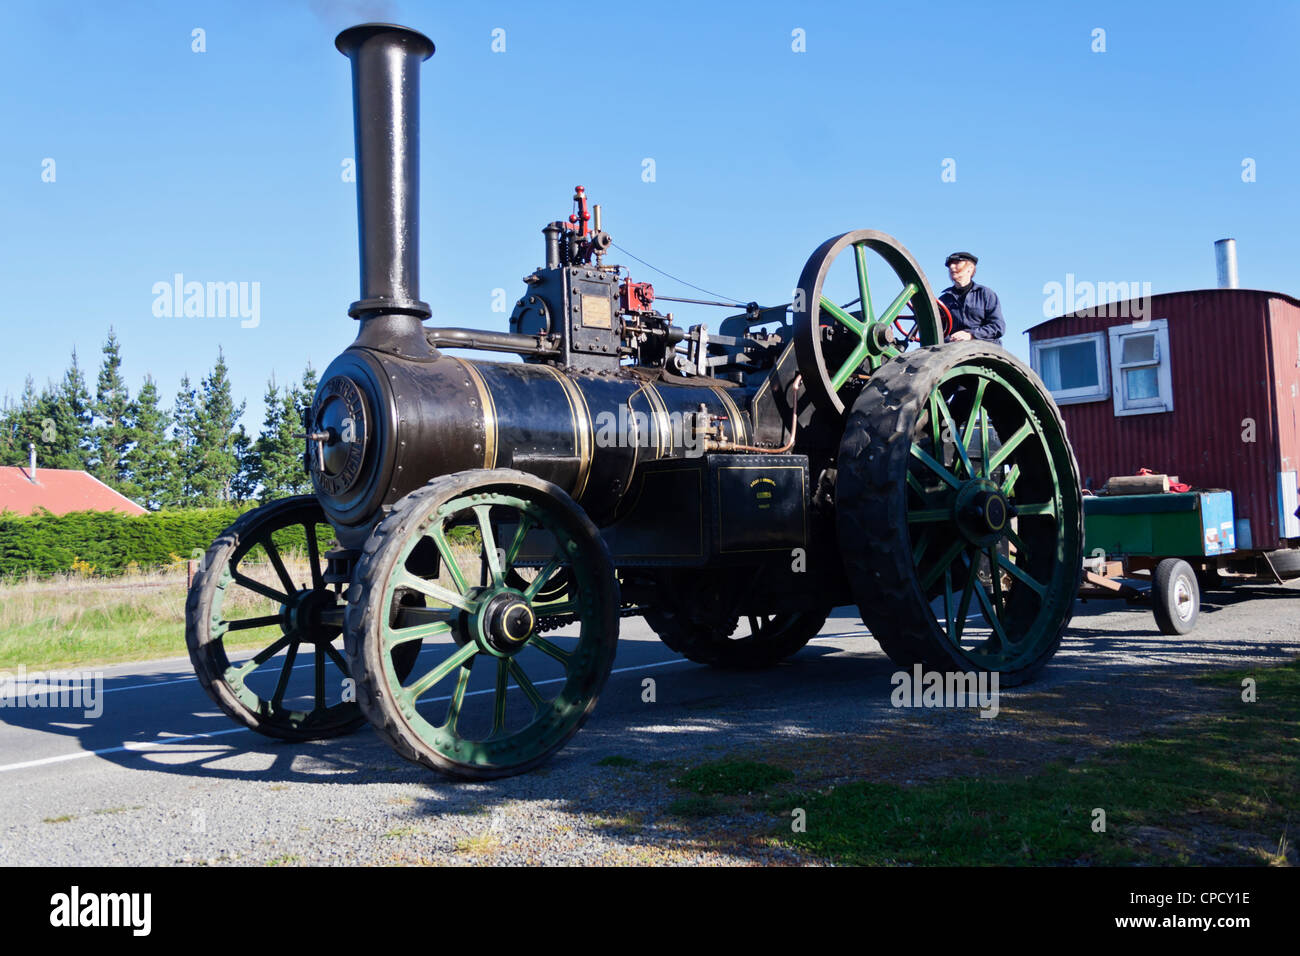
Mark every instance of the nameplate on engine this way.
pixel 597 312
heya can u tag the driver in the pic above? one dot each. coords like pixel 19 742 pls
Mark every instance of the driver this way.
pixel 976 313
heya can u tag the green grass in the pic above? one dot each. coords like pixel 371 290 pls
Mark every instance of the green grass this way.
pixel 732 777
pixel 1224 788
pixel 101 639
pixel 696 807
pixel 616 761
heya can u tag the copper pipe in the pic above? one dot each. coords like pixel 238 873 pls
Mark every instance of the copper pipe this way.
pixel 794 426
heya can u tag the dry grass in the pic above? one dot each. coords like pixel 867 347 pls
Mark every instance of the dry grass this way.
pixel 74 619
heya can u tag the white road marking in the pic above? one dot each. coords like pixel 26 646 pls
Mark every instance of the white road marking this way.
pixel 28 687
pixel 128 745
pixel 131 745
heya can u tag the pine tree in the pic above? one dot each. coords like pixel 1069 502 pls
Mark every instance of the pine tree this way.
pixel 297 480
pixel 68 409
pixel 243 487
pixel 216 416
pixel 258 453
pixel 112 433
pixel 181 489
pixel 151 462
pixel 278 450
pixel 307 394
pixel 20 425
pixel 8 416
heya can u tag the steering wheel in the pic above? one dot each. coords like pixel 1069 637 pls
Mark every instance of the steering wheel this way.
pixel 914 334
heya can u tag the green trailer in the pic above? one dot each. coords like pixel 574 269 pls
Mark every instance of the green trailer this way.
pixel 1178 537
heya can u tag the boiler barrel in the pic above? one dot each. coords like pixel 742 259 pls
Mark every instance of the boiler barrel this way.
pixel 413 421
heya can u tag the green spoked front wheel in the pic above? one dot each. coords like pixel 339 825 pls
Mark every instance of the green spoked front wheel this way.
pixel 489 695
pixel 959 512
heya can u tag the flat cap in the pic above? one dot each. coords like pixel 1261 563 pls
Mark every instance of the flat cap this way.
pixel 957 256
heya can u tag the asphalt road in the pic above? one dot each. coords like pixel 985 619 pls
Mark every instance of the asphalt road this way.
pixel 161 776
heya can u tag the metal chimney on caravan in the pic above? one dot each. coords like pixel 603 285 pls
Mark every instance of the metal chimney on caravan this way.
pixel 1225 260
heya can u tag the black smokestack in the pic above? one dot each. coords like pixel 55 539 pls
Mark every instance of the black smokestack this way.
pixel 386 110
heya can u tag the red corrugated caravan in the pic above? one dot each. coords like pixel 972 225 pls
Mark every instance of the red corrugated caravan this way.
pixel 1204 385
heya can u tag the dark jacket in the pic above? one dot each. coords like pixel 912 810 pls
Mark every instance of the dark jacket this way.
pixel 975 309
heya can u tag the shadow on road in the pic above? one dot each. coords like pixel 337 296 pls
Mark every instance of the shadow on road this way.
pixel 826 712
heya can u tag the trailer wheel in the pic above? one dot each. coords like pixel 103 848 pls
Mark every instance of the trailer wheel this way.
pixel 1175 596
pixel 493 697
pixel 1286 563
pixel 925 499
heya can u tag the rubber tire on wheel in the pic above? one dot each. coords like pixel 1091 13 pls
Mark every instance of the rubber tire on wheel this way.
pixel 392 710
pixel 1175 596
pixel 872 513
pixel 1286 563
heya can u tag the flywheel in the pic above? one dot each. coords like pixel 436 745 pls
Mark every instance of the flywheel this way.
pixel 839 341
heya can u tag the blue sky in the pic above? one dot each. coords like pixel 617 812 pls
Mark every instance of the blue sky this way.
pixel 225 165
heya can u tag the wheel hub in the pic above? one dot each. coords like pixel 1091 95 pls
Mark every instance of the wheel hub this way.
pixel 505 623
pixel 880 338
pixel 981 512
pixel 1183 600
pixel 308 614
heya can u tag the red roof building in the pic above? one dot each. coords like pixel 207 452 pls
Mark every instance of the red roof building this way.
pixel 60 491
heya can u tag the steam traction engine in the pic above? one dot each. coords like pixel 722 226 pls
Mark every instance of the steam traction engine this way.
pixel 479 528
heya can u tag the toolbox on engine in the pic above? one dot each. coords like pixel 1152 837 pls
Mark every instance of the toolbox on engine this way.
pixel 714 506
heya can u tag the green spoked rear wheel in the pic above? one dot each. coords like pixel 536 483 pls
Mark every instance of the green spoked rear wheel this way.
pixel 959 512
pixel 489 696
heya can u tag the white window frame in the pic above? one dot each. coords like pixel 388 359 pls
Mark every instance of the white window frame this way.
pixel 1164 401
pixel 1074 396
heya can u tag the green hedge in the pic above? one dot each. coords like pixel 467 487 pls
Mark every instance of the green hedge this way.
pixel 106 540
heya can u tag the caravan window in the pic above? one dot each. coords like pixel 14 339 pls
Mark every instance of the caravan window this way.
pixel 1139 361
pixel 1073 368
